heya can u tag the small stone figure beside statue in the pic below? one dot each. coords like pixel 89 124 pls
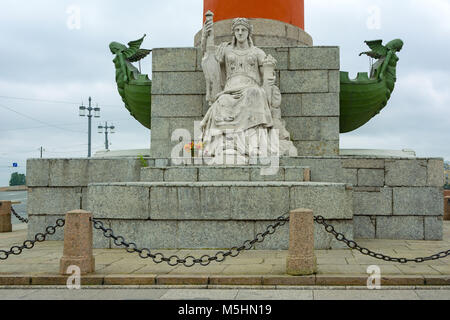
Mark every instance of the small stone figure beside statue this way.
pixel 244 119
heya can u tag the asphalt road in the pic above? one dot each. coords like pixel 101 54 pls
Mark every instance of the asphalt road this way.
pixel 21 209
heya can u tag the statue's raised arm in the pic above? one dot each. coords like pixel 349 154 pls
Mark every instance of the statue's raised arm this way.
pixel 210 64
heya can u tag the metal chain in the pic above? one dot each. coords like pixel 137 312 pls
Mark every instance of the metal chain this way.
pixel 23 220
pixel 29 244
pixel 354 246
pixel 190 261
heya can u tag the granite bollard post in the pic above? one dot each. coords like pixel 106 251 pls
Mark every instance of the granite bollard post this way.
pixel 447 208
pixel 78 242
pixel 301 260
pixel 5 216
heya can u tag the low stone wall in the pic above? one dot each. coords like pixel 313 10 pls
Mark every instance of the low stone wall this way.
pixel 393 198
pixel 308 78
pixel 396 198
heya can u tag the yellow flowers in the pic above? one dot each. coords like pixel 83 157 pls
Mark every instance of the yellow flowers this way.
pixel 193 146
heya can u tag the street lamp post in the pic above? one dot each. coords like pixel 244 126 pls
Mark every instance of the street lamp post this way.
pixel 111 129
pixel 96 115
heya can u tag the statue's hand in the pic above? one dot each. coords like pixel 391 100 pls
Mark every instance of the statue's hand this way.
pixel 207 28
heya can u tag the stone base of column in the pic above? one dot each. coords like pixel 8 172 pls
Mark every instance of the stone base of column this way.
pixel 301 266
pixel 5 217
pixel 78 243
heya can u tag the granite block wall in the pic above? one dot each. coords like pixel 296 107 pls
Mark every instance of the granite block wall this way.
pixel 308 78
pixel 396 198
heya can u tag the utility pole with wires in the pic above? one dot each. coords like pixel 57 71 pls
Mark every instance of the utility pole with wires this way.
pixel 111 129
pixel 89 115
pixel 41 149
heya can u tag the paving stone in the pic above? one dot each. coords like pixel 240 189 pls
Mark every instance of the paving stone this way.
pixel 406 173
pixel 257 295
pixel 182 280
pixel 340 280
pixel 418 201
pixel 174 59
pixel 363 227
pixel 229 280
pixel 313 81
pixel 409 228
pixel 289 280
pixel 373 203
pixel 370 178
pixel 129 280
pixel 310 58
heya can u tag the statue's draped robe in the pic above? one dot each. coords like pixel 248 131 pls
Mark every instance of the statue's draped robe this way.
pixel 241 110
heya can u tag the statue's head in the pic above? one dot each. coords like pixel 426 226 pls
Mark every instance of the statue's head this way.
pixel 242 31
pixel 116 47
pixel 395 45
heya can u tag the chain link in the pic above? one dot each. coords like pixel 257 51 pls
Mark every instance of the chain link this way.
pixel 189 261
pixel 354 246
pixel 29 244
pixel 221 256
pixel 23 220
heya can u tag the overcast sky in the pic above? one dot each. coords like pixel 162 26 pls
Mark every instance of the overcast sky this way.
pixel 48 68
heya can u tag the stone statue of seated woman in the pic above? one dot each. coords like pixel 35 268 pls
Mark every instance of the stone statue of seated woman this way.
pixel 244 118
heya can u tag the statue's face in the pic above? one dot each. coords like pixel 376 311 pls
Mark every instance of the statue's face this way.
pixel 241 33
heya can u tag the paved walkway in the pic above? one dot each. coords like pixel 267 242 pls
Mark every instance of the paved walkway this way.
pixel 225 294
pixel 40 266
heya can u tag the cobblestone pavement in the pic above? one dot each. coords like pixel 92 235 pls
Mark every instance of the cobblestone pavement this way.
pixel 116 266
pixel 307 293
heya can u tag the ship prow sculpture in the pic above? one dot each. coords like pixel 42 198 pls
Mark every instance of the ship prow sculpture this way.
pixel 363 98
pixel 134 87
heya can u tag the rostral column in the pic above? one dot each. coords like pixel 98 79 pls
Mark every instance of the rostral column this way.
pixel 275 22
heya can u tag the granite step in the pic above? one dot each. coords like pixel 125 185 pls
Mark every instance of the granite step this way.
pixel 235 200
pixel 222 173
pixel 216 215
